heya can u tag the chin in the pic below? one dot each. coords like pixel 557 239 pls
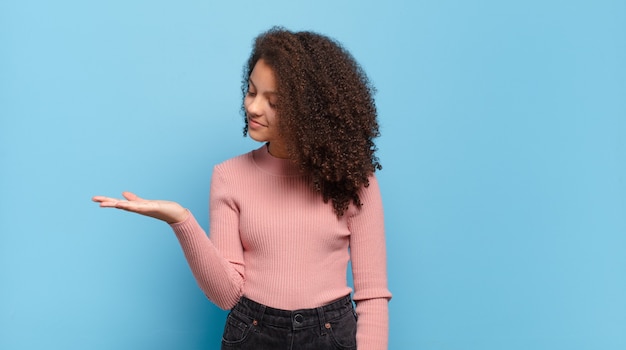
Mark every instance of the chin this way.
pixel 257 138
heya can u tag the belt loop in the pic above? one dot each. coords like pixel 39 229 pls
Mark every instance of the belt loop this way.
pixel 350 303
pixel 322 319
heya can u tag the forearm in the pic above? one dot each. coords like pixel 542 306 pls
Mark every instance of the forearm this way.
pixel 372 324
pixel 218 278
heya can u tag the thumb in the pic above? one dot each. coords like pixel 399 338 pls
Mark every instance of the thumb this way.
pixel 130 196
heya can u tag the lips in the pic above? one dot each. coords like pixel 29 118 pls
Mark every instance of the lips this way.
pixel 255 124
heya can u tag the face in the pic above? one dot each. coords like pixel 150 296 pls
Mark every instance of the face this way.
pixel 260 104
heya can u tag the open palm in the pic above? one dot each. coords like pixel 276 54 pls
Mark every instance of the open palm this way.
pixel 170 212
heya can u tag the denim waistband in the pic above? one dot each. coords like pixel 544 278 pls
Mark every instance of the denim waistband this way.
pixel 296 319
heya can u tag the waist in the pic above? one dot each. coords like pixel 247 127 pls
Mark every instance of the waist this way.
pixel 294 319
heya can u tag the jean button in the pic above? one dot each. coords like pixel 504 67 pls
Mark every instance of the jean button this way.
pixel 298 318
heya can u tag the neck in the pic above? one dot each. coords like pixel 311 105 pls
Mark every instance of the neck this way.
pixel 277 151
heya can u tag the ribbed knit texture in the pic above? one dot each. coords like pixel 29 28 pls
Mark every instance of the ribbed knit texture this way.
pixel 274 240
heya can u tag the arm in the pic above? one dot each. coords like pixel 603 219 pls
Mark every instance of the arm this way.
pixel 369 270
pixel 217 263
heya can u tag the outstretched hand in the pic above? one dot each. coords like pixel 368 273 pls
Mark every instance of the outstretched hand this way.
pixel 170 212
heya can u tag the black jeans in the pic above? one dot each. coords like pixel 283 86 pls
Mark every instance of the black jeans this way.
pixel 251 325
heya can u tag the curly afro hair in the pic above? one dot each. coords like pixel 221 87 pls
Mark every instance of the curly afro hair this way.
pixel 326 111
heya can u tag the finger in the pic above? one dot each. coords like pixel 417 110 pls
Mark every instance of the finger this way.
pixel 103 199
pixel 130 196
pixel 125 205
pixel 134 206
pixel 110 204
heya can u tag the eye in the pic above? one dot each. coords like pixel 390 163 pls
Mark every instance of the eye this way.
pixel 271 104
pixel 251 93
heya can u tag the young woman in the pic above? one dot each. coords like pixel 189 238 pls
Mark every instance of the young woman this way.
pixel 286 218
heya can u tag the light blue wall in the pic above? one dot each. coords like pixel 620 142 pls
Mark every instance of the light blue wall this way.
pixel 504 128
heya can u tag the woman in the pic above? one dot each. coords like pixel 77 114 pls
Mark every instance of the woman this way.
pixel 286 218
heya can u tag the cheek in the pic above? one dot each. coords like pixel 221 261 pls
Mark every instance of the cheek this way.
pixel 272 119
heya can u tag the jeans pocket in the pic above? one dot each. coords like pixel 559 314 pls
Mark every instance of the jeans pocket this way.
pixel 343 331
pixel 236 329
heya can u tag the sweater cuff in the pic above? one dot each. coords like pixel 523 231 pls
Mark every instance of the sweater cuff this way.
pixel 187 227
pixel 373 324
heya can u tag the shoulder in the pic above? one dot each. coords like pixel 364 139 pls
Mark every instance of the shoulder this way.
pixel 370 197
pixel 236 164
pixel 229 175
pixel 372 187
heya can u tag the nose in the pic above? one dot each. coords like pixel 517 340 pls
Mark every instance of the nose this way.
pixel 253 106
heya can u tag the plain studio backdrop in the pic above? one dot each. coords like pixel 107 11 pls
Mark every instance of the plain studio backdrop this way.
pixel 503 146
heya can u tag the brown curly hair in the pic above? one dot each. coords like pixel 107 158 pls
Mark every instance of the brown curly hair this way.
pixel 326 111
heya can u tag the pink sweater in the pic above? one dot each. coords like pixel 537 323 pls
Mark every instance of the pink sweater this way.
pixel 274 240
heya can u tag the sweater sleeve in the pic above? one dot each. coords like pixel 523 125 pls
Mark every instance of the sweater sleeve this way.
pixel 369 270
pixel 216 262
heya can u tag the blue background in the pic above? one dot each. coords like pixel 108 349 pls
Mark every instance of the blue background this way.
pixel 503 147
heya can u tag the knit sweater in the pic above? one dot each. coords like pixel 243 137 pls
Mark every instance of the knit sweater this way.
pixel 275 241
